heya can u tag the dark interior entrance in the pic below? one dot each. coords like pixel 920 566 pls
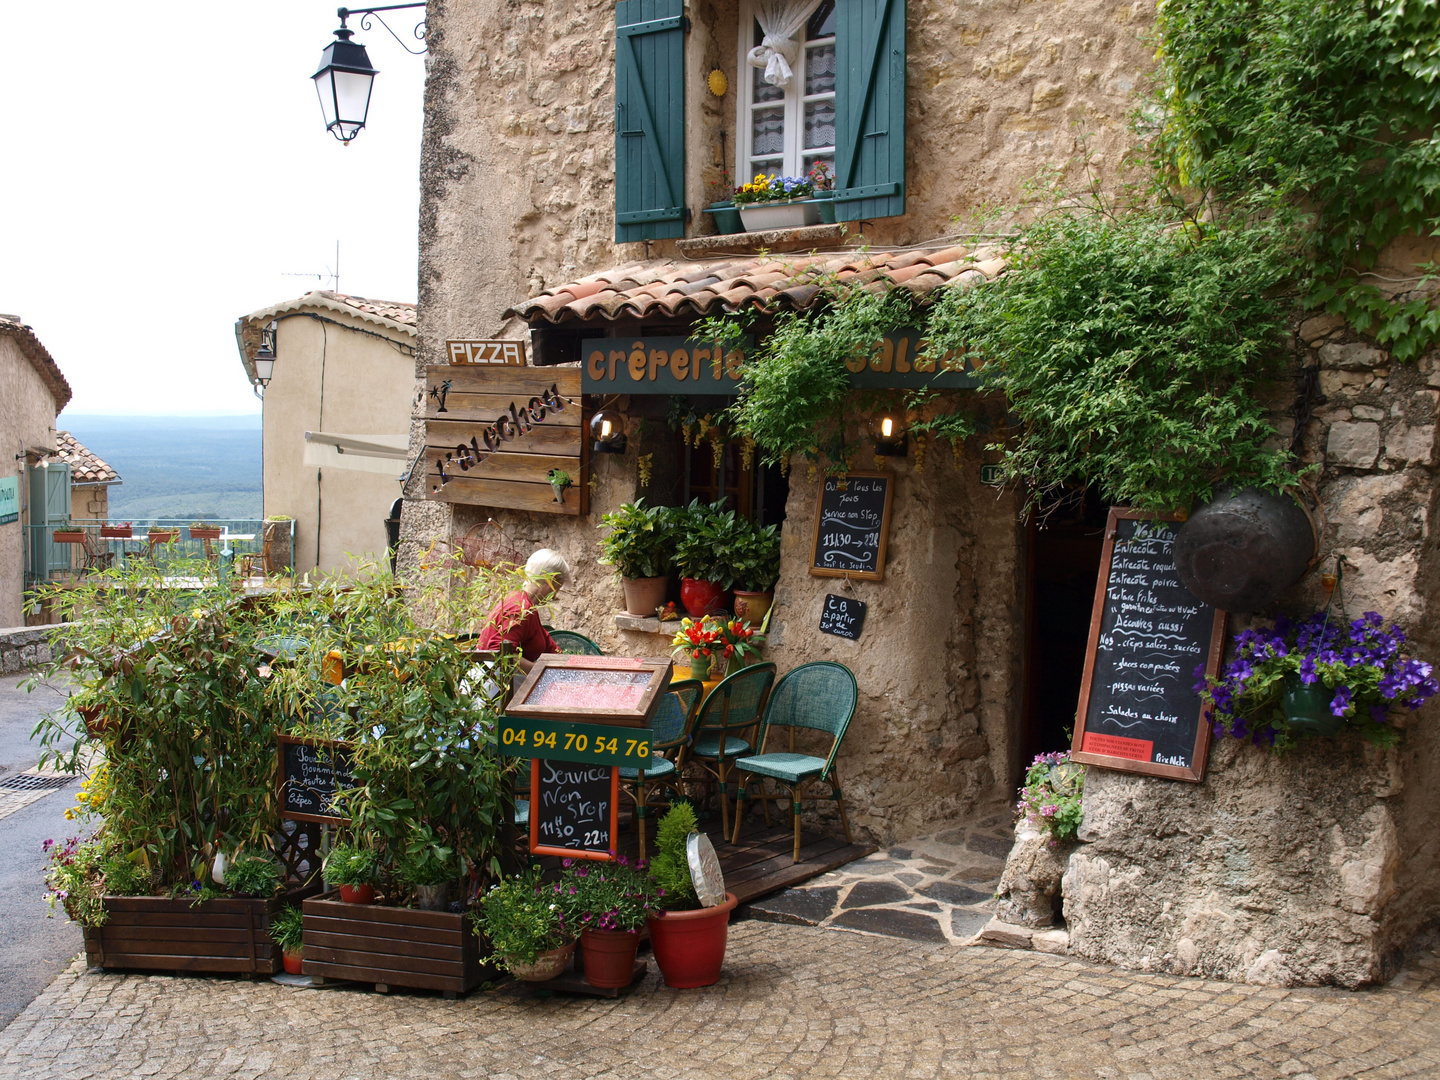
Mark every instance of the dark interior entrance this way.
pixel 1063 562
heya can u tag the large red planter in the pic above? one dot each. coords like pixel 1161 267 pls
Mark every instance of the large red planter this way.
pixel 701 597
pixel 690 945
pixel 609 957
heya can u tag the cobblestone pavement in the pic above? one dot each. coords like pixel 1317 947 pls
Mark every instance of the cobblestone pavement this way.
pixel 936 889
pixel 794 1002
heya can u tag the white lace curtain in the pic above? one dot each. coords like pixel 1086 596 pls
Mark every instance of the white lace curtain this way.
pixel 780 21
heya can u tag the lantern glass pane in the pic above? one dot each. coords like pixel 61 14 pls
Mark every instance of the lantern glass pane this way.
pixel 324 88
pixel 264 369
pixel 352 93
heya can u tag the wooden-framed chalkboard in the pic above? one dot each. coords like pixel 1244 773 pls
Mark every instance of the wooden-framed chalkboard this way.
pixel 574 809
pixel 852 526
pixel 1138 710
pixel 311 772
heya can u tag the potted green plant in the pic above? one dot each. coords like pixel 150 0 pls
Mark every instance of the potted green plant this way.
pixel 524 921
pixel 559 481
pixel 688 940
pixel 158 535
pixel 777 202
pixel 639 545
pixel 354 869
pixel 609 902
pixel 252 875
pixel 69 536
pixel 755 564
pixel 203 530
pixel 704 540
pixel 287 930
pixel 429 867
pixel 1316 677
pixel 117 532
pixel 822 179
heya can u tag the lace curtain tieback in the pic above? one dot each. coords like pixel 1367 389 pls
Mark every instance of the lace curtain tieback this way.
pixel 780 21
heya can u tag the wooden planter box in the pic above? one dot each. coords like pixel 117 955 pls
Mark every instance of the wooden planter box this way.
pixel 390 946
pixel 155 933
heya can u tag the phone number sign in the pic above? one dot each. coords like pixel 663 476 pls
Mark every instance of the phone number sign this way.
pixel 560 740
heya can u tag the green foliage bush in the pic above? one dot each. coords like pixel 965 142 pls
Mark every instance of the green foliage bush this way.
pixel 80 874
pixel 287 929
pixel 253 875
pixel 640 541
pixel 350 865
pixel 522 917
pixel 670 869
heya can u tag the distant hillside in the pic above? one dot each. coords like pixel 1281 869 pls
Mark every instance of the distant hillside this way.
pixel 177 466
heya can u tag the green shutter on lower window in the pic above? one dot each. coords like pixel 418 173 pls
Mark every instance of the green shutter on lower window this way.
pixel 869 109
pixel 649 120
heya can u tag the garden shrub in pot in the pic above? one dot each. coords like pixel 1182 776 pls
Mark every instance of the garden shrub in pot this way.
pixel 287 930
pixel 704 547
pixel 639 545
pixel 688 940
pixel 354 869
pixel 525 922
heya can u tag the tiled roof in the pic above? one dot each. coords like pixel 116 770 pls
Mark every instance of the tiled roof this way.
pixel 395 310
pixel 39 358
pixel 668 288
pixel 394 316
pixel 85 467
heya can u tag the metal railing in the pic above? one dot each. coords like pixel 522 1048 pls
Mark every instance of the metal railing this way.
pixel 249 547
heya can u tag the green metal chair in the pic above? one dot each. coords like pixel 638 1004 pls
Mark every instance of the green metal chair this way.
pixel 820 696
pixel 727 715
pixel 671 731
pixel 568 641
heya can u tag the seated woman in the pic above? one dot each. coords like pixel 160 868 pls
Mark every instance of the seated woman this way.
pixel 516 619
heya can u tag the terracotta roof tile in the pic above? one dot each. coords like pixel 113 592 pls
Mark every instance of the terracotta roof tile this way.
pixel 668 288
pixel 85 467
pixel 39 357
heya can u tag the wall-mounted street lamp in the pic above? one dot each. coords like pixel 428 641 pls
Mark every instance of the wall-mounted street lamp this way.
pixel 607 432
pixel 887 428
pixel 346 76
pixel 264 359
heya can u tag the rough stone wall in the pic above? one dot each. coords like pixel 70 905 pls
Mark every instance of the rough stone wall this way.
pixel 24 649
pixel 1317 866
pixel 27 422
pixel 90 502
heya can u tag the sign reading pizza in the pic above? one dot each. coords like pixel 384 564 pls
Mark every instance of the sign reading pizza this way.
pixel 509 353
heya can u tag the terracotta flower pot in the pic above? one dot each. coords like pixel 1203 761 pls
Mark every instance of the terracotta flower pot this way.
pixel 609 957
pixel 701 597
pixel 644 595
pixel 753 606
pixel 690 945
pixel 292 962
pixel 116 532
pixel 357 894
pixel 547 965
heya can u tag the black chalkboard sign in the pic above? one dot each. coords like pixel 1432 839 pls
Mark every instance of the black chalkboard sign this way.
pixel 1138 709
pixel 843 616
pixel 852 526
pixel 574 809
pixel 311 771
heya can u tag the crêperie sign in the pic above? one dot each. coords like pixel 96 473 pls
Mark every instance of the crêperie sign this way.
pixel 573 808
pixel 852 526
pixel 311 772
pixel 1138 709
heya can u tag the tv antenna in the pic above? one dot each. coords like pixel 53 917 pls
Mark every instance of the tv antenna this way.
pixel 332 274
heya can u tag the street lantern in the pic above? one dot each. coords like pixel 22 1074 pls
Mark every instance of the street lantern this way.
pixel 343 83
pixel 607 432
pixel 264 359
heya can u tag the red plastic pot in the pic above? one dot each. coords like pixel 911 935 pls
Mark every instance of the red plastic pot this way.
pixel 701 597
pixel 292 963
pixel 609 957
pixel 690 945
pixel 357 894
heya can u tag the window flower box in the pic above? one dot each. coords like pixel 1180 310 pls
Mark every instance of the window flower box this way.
pixel 779 214
pixel 69 536
pixel 116 532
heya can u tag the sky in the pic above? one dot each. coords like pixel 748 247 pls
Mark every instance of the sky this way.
pixel 167 171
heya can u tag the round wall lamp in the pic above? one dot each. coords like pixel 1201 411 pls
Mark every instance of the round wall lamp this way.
pixel 607 432
pixel 887 428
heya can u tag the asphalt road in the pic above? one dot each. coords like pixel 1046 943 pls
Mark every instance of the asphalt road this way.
pixel 33 948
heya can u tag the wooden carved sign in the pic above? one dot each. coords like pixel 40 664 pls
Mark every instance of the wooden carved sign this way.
pixel 1138 711
pixel 486 352
pixel 494 435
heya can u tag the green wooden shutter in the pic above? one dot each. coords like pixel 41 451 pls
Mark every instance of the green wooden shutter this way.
pixel 869 109
pixel 49 510
pixel 649 120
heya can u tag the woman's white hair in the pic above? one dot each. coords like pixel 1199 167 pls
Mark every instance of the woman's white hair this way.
pixel 547 565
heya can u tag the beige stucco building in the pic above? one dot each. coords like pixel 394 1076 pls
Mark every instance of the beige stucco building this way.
pixel 344 368
pixel 32 391
pixel 558 212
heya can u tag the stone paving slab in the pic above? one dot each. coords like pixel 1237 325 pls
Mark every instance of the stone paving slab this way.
pixel 795 1002
pixel 938 888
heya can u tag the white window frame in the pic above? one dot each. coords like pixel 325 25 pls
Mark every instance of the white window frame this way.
pixel 794 105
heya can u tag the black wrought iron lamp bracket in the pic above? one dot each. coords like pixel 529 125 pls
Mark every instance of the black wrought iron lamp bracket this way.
pixel 365 23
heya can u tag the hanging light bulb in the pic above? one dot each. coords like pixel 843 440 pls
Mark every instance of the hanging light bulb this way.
pixel 887 428
pixel 607 432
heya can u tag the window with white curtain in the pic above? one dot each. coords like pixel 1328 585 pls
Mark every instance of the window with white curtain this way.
pixel 786 130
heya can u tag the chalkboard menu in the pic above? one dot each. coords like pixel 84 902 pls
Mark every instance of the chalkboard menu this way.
pixel 1138 709
pixel 852 526
pixel 574 809
pixel 843 616
pixel 311 771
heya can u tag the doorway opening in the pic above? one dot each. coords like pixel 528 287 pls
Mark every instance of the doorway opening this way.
pixel 1064 548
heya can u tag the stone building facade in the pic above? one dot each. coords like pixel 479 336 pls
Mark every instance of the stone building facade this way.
pixel 1311 868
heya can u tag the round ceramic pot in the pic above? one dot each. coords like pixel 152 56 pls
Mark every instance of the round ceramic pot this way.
pixel 357 894
pixel 644 595
pixel 701 597
pixel 1307 708
pixel 433 897
pixel 292 962
pixel 753 606
pixel 689 946
pixel 545 967
pixel 609 957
